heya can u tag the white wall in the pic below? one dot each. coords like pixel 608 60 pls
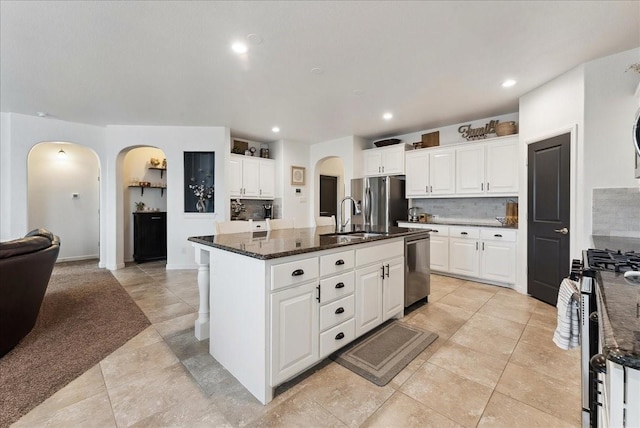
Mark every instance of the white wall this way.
pixel 173 141
pixel 293 205
pixel 610 109
pixel 52 181
pixel 136 166
pixel 556 107
pixel 20 133
pixel 450 134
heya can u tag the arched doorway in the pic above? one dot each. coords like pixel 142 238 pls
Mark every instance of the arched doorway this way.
pixel 331 186
pixel 144 199
pixel 63 187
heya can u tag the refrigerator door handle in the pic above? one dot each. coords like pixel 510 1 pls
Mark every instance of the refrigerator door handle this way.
pixel 366 206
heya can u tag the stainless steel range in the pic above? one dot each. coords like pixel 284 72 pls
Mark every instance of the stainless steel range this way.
pixel 587 272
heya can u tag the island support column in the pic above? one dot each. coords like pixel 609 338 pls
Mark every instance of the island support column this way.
pixel 202 323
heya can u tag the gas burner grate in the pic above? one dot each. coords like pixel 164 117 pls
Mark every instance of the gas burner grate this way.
pixel 613 260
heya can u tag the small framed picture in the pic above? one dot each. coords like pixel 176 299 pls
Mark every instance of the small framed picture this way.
pixel 297 176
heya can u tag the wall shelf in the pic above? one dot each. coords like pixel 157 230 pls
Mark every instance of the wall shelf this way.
pixel 150 187
pixel 162 170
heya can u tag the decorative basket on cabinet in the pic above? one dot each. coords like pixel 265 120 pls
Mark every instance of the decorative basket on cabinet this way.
pixel 506 128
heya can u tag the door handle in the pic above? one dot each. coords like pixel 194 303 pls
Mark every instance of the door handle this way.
pixel 387 270
pixel 564 230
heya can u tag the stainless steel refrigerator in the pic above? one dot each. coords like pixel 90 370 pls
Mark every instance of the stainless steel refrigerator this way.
pixel 382 201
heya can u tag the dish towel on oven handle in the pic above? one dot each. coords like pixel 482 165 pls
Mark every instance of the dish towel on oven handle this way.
pixel 567 334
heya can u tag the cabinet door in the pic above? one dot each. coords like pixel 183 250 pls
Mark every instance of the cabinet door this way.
pixel 502 167
pixel 470 170
pixel 464 256
pixel 368 298
pixel 499 261
pixel 267 179
pixel 442 172
pixel 251 177
pixel 439 257
pixel 294 331
pixel 393 288
pixel 417 173
pixel 235 177
pixel 393 160
pixel 372 162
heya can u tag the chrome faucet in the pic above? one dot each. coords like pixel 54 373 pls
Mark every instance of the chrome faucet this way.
pixel 341 226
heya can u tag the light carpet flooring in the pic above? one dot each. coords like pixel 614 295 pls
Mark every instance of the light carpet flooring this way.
pixel 494 365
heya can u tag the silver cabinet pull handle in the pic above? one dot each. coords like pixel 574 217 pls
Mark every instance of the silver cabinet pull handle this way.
pixel 564 230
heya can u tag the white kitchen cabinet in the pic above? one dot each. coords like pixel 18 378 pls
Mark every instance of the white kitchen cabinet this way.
pixel 393 288
pixel 379 279
pixel 498 255
pixel 488 253
pixel 251 177
pixel 294 330
pixel 385 160
pixel 430 172
pixel 488 168
pixel 439 248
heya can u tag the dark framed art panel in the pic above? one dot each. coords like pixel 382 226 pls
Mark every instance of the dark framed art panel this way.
pixel 199 182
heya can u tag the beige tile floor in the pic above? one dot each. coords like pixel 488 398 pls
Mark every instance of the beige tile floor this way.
pixel 493 365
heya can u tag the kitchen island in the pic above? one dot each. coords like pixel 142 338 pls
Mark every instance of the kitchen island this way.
pixel 273 304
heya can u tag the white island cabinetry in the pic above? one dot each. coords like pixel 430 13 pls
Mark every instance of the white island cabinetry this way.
pixel 271 319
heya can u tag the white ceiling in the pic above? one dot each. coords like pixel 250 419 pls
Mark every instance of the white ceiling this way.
pixel 169 63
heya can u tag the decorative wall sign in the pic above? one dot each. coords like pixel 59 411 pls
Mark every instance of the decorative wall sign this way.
pixel 478 133
pixel 297 176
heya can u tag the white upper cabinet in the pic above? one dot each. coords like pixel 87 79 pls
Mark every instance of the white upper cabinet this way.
pixel 384 160
pixel 251 177
pixel 487 168
pixel 430 172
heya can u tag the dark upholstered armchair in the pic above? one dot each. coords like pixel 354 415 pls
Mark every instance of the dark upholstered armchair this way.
pixel 25 269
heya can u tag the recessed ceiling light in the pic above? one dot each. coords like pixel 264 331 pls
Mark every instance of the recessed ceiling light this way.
pixel 255 39
pixel 508 83
pixel 317 70
pixel 239 47
pixel 275 129
pixel 41 114
pixel 387 116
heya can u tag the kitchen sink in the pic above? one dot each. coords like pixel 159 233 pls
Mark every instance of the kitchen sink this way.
pixel 354 235
pixel 366 234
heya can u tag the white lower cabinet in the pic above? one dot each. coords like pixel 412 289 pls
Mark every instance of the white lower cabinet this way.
pixel 379 286
pixel 320 304
pixel 482 253
pixel 488 253
pixel 294 331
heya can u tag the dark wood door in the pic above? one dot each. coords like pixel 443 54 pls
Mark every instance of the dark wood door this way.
pixel 548 216
pixel 328 196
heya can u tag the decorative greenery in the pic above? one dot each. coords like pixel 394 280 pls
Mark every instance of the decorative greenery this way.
pixel 139 206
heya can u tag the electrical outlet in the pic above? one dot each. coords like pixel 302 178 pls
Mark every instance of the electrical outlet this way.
pixel 75 195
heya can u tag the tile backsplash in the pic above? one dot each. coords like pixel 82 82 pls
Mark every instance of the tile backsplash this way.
pixel 464 208
pixel 616 212
pixel 253 209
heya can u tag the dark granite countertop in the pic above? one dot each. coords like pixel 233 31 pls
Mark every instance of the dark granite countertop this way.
pixel 288 242
pixel 619 308
pixel 461 223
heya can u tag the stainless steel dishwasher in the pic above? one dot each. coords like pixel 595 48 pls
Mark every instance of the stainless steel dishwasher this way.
pixel 417 271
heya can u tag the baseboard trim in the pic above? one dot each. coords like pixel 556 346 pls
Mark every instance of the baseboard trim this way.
pixel 78 258
pixel 181 267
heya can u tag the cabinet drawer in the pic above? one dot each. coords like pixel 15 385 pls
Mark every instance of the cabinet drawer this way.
pixel 464 232
pixel 439 230
pixel 336 312
pixel 336 287
pixel 337 337
pixel 335 263
pixel 379 253
pixel 297 272
pixel 498 234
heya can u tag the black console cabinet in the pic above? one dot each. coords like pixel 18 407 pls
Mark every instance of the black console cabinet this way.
pixel 149 236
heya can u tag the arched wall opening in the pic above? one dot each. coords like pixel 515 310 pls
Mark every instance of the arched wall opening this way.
pixel 332 166
pixel 144 189
pixel 63 195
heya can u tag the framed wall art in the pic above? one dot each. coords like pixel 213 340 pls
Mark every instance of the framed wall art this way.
pixel 297 176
